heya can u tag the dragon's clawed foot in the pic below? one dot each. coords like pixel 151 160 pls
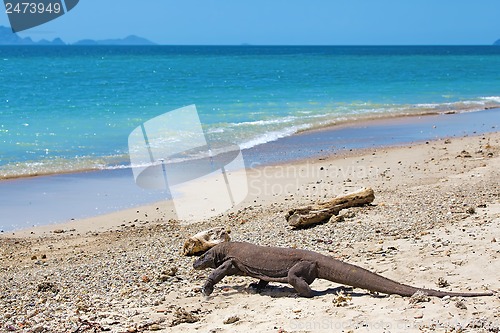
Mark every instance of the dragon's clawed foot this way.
pixel 207 289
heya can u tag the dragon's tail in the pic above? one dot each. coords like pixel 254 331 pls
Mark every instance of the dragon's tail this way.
pixel 355 276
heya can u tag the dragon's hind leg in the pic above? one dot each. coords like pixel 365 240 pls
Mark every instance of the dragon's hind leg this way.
pixel 301 275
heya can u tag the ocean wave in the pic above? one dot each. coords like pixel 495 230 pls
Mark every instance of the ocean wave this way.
pixel 495 99
pixel 62 165
pixel 464 105
pixel 215 130
pixel 282 120
pixel 273 136
pixel 365 111
pixel 248 134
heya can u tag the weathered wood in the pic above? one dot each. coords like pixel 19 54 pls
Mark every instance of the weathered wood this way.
pixel 312 214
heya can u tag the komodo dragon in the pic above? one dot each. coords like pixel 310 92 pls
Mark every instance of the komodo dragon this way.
pixel 298 268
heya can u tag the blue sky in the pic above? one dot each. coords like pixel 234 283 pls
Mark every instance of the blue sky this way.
pixel 292 22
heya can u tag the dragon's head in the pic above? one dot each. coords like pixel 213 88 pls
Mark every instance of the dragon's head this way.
pixel 210 259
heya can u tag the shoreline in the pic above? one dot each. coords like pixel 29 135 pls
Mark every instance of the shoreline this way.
pixel 376 117
pixel 352 121
pixel 90 194
pixel 386 132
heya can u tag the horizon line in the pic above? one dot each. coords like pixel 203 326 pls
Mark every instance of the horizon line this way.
pixel 238 45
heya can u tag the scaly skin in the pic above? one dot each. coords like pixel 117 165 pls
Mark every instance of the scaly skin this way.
pixel 298 268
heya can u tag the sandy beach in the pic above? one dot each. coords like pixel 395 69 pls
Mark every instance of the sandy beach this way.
pixel 434 224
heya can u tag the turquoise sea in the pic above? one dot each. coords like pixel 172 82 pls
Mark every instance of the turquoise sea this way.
pixel 72 108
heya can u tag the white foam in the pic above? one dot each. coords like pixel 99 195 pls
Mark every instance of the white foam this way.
pixel 283 120
pixel 495 99
pixel 215 130
pixel 273 136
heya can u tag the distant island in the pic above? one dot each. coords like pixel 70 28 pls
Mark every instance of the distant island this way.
pixel 130 40
pixel 497 42
pixel 7 37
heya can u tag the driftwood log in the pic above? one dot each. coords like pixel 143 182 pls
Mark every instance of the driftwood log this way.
pixel 312 214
